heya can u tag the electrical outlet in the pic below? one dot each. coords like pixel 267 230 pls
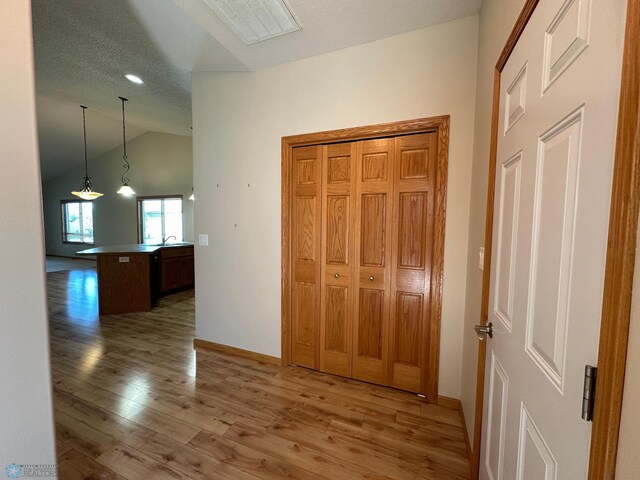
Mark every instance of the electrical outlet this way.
pixel 203 239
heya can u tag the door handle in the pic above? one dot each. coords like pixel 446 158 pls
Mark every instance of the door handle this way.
pixel 483 330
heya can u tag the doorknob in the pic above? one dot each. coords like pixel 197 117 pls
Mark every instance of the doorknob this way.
pixel 483 330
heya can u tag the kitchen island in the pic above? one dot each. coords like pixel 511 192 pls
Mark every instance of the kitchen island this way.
pixel 132 277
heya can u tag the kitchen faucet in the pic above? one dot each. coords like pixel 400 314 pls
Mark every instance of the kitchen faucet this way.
pixel 164 242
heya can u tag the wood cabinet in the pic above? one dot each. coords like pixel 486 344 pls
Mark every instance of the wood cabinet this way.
pixel 132 277
pixel 124 283
pixel 176 265
pixel 362 242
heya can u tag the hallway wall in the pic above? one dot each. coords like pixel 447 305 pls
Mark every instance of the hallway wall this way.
pixel 26 417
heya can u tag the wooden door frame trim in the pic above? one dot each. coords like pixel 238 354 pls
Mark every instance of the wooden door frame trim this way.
pixel 440 125
pixel 621 251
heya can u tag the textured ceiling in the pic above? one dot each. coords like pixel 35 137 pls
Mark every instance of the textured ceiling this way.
pixel 83 49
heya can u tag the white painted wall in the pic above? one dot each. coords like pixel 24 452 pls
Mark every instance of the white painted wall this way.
pixel 239 119
pixel 497 19
pixel 161 164
pixel 26 418
pixel 628 464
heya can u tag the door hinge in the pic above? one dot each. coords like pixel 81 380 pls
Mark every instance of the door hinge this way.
pixel 589 392
pixel 483 330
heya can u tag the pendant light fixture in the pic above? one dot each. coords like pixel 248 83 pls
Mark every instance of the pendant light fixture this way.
pixel 125 189
pixel 87 192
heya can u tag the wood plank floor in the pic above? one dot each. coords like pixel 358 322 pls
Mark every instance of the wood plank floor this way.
pixel 134 400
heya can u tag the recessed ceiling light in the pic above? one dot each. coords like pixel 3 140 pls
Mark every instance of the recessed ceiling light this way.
pixel 134 79
pixel 255 21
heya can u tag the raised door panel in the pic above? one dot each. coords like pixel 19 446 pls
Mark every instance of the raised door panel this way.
pixel 407 333
pixel 375 166
pixel 373 217
pixel 335 333
pixel 370 320
pixel 305 224
pixel 411 259
pixel 338 192
pixel 337 211
pixel 339 166
pixel 305 256
pixel 189 272
pixel 171 274
pixel 412 223
pixel 176 272
pixel 373 226
pixel 305 333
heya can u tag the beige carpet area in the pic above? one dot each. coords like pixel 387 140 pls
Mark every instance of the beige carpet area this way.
pixel 57 264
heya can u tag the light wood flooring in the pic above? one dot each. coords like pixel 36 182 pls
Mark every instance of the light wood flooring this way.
pixel 56 264
pixel 134 400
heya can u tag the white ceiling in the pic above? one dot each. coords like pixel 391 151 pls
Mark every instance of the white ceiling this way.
pixel 83 49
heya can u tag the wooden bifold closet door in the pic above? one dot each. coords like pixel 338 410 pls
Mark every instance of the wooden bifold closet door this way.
pixel 362 240
pixel 305 253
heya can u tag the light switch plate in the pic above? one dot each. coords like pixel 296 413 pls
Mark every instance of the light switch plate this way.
pixel 481 258
pixel 203 239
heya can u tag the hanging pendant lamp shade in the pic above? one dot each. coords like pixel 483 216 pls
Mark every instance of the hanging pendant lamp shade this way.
pixel 87 192
pixel 125 189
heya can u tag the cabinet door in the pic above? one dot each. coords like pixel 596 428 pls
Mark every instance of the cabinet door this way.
pixel 338 214
pixel 372 276
pixel 189 271
pixel 411 259
pixel 172 273
pixel 305 256
pixel 176 268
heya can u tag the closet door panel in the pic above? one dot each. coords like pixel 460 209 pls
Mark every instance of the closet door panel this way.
pixel 305 255
pixel 335 331
pixel 370 322
pixel 337 232
pixel 412 223
pixel 338 192
pixel 373 225
pixel 374 195
pixel 412 246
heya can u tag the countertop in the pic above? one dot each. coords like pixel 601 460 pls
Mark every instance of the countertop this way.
pixel 131 248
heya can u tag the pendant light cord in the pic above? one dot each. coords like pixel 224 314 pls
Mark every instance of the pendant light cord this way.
pixel 84 128
pixel 87 179
pixel 125 180
pixel 86 193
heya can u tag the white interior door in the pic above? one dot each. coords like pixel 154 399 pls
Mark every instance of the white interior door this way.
pixel 558 114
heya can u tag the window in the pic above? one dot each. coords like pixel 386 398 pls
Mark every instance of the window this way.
pixel 159 218
pixel 77 222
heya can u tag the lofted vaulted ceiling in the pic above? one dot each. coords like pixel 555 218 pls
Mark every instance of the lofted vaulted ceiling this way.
pixel 83 49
